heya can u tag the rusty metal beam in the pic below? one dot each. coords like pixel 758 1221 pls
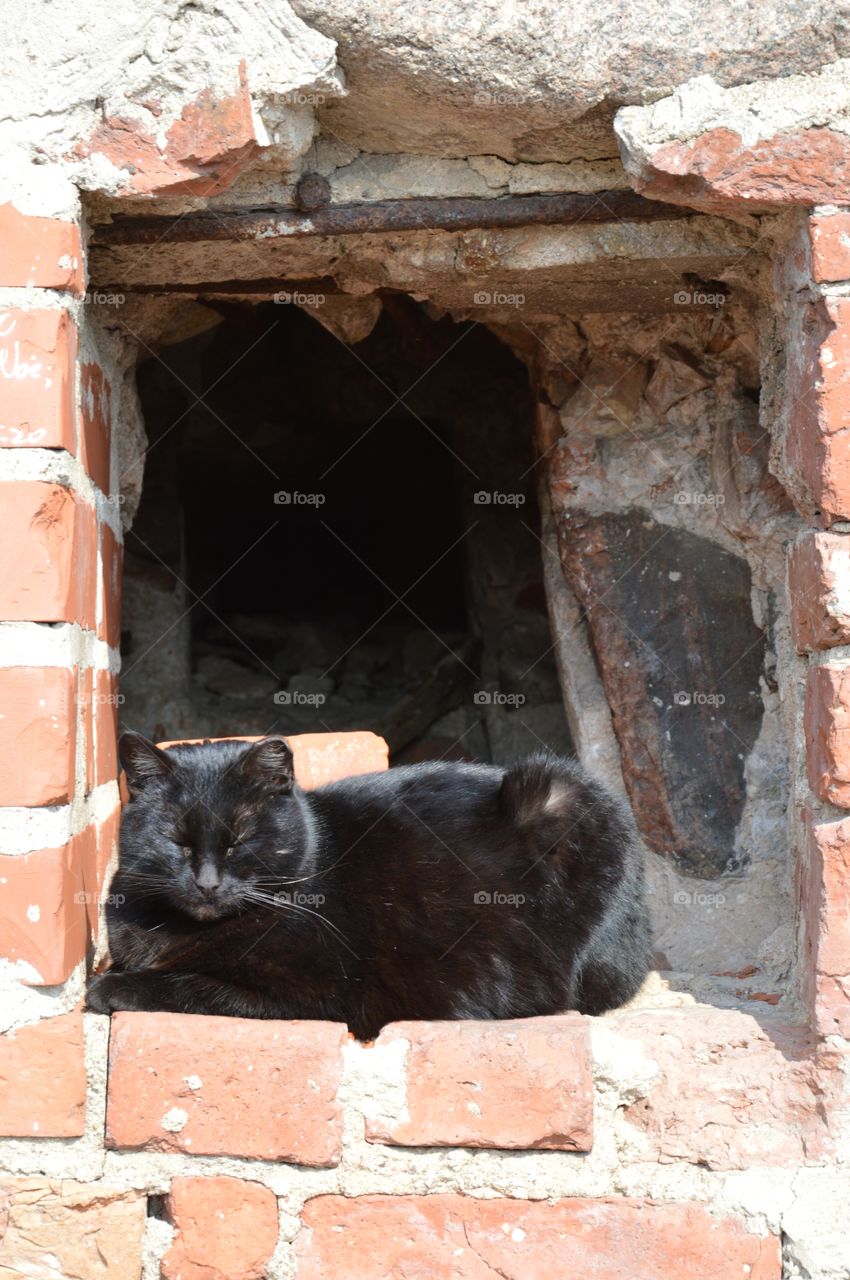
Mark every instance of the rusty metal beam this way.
pixel 263 286
pixel 452 214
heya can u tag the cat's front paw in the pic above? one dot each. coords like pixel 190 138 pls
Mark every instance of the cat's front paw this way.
pixel 108 992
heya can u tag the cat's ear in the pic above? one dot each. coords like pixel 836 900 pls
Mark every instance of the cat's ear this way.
pixel 269 764
pixel 142 762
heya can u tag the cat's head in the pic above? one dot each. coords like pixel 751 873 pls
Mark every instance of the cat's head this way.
pixel 211 828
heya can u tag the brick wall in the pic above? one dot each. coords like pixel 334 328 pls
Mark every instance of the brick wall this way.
pixel 674 1140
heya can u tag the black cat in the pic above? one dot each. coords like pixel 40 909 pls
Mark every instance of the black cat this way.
pixel 429 891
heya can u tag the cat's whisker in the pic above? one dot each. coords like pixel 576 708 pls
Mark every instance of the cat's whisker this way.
pixel 269 900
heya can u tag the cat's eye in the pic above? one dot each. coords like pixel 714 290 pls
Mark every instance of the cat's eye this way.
pixel 185 849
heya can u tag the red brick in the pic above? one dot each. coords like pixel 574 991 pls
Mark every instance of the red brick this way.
pixel 325 757
pixel 819 409
pixel 226 1229
pixel 42 909
pixel 726 1094
pixel 830 247
pixel 451 1237
pixel 525 1083
pixel 819 590
pixel 827 728
pixel 45 252
pixel 70 1230
pixel 268 1089
pixel 717 172
pixel 826 911
pixel 99 855
pixel 109 613
pixel 106 705
pixel 43 1081
pixel 48 554
pixel 95 424
pixel 38 351
pixel 85 726
pixel 205 149
pixel 38 733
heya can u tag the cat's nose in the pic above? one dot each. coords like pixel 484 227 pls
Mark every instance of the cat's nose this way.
pixel 208 879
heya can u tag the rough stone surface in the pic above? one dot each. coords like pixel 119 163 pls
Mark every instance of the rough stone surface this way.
pixel 684 694
pixel 54 1228
pixel 267 1090
pixel 422 79
pixel 226 1229
pixel 460 1237
pixel 525 1084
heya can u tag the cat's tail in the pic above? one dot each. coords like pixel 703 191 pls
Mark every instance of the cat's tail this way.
pixel 541 786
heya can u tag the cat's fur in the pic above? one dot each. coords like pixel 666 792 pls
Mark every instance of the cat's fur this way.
pixel 430 891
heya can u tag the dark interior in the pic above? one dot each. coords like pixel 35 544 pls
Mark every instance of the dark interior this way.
pixel 315 509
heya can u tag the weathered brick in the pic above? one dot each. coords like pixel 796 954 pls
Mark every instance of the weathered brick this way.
pixel 46 252
pixel 819 590
pixel 724 1093
pixel 85 725
pixel 364 1237
pixel 43 1081
pixel 719 171
pixel 827 727
pixel 524 1083
pixel 819 411
pixel 38 734
pixel 48 554
pixel 829 236
pixel 37 355
pixel 109 609
pixel 42 909
pixel 70 1230
pixel 226 1086
pixel 826 910
pixel 203 152
pixel 325 757
pixel 226 1229
pixel 95 424
pixel 99 855
pixel 106 727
